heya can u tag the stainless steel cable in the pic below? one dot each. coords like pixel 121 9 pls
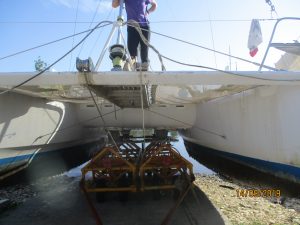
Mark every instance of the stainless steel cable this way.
pixel 67 53
pixel 99 111
pixel 73 39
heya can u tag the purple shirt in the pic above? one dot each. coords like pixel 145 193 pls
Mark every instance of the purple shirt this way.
pixel 136 10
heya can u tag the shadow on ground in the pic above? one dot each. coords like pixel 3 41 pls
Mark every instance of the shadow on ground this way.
pixel 59 201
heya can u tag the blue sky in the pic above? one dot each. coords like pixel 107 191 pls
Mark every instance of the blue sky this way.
pixel 213 24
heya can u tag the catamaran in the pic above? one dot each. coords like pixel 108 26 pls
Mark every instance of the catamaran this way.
pixel 251 117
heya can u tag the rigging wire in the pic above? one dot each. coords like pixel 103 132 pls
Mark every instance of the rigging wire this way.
pixel 40 146
pixel 99 111
pixel 185 123
pixel 91 23
pixel 103 115
pixel 93 47
pixel 212 38
pixel 157 33
pixel 44 135
pixel 139 29
pixel 48 43
pixel 170 9
pixel 209 49
pixel 158 21
pixel 227 72
pixel 160 57
pixel 213 20
pixel 100 33
pixel 67 53
pixel 73 39
pixel 150 110
pixel 77 124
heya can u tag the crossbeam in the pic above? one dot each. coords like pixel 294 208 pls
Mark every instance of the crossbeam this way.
pixel 11 79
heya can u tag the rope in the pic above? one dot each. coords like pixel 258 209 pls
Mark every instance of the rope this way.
pixel 157 33
pixel 134 24
pixel 90 203
pixel 142 107
pixel 127 50
pixel 199 66
pixel 177 204
pixel 47 68
pixel 137 27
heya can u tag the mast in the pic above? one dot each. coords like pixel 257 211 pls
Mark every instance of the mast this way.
pixel 120 19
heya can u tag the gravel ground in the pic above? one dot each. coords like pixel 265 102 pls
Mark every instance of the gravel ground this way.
pixel 249 210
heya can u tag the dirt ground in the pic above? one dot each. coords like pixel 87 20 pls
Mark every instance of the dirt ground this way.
pixel 250 209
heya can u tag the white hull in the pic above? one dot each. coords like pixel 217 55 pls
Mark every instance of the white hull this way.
pixel 259 124
pixel 32 126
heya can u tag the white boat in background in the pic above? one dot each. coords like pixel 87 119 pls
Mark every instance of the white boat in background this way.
pixel 251 117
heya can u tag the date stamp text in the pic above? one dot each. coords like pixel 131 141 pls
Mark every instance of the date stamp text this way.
pixel 258 193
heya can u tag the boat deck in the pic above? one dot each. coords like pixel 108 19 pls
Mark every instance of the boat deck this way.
pixel 172 87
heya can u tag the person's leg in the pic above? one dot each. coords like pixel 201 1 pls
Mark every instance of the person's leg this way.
pixel 144 47
pixel 132 41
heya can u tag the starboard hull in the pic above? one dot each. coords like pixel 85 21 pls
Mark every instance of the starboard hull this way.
pixel 259 128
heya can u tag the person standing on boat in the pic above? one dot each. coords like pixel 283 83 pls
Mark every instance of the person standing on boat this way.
pixel 138 11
